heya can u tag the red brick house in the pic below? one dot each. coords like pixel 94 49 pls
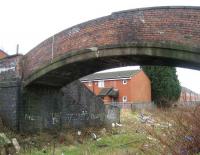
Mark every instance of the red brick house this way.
pixel 122 86
pixel 3 54
pixel 188 95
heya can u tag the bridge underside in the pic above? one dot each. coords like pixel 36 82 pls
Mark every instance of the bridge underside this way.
pixel 71 67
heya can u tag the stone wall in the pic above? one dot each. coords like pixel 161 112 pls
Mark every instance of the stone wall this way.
pixel 81 107
pixel 54 108
pixel 112 114
pixel 39 107
pixel 9 101
pixel 10 88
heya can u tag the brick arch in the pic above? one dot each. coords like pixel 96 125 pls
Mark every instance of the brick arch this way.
pixel 160 35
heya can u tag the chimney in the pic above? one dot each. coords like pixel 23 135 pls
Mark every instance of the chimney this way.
pixel 17 49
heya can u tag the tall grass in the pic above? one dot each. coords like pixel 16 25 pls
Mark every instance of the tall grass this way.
pixel 182 136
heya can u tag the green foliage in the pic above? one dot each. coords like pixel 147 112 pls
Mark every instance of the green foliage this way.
pixel 165 86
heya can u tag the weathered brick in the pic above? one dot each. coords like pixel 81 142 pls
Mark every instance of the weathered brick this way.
pixel 163 24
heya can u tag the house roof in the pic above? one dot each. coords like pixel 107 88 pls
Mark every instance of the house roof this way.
pixel 109 92
pixel 184 89
pixel 104 91
pixel 1 51
pixel 110 75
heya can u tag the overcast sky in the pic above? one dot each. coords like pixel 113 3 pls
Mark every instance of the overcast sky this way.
pixel 29 22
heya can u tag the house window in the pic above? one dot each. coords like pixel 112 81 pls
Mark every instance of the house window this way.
pixel 124 98
pixel 124 81
pixel 101 84
pixel 90 83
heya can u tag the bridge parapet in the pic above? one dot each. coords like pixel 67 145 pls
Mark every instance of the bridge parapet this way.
pixel 180 25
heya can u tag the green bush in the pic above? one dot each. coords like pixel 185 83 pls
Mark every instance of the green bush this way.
pixel 165 86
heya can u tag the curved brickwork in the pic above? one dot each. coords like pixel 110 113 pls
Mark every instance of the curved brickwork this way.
pixel 180 25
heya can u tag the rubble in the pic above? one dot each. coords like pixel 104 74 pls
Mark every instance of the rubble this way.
pixel 16 145
pixel 119 125
pixel 163 125
pixel 151 138
pixel 6 146
pixel 151 122
pixel 79 133
pixel 113 125
pixel 116 125
pixel 103 132
pixel 146 145
pixel 94 136
pixel 4 139
pixel 146 119
pixel 98 139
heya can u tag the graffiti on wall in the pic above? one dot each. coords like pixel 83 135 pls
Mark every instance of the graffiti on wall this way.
pixel 8 69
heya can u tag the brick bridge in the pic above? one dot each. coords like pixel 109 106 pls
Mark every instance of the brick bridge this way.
pixel 154 36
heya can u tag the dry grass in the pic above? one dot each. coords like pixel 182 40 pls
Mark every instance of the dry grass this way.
pixel 182 136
